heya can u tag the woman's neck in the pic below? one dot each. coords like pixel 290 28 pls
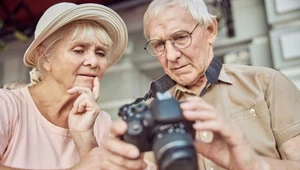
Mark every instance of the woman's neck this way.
pixel 53 104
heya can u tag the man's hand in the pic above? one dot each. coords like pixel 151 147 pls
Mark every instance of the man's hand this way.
pixel 117 154
pixel 229 147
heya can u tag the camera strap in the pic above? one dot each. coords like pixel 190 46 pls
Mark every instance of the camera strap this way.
pixel 165 83
pixel 161 85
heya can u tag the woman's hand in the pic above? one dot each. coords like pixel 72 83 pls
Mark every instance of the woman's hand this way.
pixel 82 118
pixel 85 108
pixel 229 147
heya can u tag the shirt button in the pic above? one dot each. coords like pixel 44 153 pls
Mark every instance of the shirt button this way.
pixel 252 111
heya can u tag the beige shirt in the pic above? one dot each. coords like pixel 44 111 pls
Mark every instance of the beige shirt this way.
pixel 263 103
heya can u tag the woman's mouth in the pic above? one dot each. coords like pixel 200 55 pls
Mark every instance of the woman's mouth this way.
pixel 87 75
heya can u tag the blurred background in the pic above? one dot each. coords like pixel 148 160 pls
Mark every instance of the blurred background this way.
pixel 251 32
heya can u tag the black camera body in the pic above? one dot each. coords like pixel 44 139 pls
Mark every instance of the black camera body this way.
pixel 162 128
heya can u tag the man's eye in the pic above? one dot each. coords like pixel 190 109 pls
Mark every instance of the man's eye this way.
pixel 158 45
pixel 180 37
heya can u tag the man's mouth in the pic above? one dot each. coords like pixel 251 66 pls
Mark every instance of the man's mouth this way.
pixel 178 68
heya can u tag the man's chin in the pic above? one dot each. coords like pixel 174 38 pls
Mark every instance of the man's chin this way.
pixel 181 79
pixel 186 81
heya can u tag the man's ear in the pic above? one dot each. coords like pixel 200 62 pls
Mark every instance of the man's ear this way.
pixel 212 30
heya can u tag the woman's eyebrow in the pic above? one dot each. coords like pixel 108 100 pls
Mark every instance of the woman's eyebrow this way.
pixel 85 44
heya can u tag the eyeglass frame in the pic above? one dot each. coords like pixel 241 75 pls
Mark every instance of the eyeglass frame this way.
pixel 164 42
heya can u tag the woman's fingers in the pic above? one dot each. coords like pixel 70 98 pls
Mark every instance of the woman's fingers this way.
pixel 94 92
pixel 82 103
pixel 80 90
pixel 86 97
pixel 96 88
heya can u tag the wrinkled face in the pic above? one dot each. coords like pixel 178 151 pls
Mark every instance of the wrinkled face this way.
pixel 185 66
pixel 77 62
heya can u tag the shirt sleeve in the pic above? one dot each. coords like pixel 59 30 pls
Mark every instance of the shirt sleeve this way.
pixel 283 98
pixel 8 110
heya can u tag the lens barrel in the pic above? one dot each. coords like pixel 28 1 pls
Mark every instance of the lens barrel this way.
pixel 173 151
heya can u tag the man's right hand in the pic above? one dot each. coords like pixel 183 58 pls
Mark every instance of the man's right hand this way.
pixel 113 153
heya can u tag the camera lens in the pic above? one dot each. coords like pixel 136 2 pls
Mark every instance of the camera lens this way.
pixel 177 158
pixel 174 151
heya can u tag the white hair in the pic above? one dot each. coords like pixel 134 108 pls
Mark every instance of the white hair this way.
pixel 79 30
pixel 197 9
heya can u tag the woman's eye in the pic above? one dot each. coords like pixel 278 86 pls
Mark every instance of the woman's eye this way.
pixel 78 51
pixel 100 54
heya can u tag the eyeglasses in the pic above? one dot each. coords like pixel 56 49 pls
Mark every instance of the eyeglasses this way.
pixel 180 40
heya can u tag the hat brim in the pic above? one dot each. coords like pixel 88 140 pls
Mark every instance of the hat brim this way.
pixel 106 17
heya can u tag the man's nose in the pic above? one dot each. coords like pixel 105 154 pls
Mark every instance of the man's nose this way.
pixel 172 53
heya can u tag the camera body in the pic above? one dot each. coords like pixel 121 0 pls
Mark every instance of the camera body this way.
pixel 162 128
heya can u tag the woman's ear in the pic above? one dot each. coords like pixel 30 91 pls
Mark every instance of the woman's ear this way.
pixel 43 58
pixel 212 30
pixel 46 63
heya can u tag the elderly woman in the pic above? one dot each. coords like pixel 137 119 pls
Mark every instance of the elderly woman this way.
pixel 56 123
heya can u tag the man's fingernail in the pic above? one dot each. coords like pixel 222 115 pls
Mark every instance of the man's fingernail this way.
pixel 133 153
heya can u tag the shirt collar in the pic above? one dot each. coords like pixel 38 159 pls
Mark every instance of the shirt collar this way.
pixel 214 75
pixel 223 77
pixel 213 71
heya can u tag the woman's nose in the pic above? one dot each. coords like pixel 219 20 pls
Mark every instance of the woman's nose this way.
pixel 90 60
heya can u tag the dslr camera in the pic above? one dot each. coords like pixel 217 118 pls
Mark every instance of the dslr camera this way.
pixel 161 127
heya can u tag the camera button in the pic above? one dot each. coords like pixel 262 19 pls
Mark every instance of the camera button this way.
pixel 204 134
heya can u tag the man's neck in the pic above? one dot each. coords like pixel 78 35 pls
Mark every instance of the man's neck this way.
pixel 199 85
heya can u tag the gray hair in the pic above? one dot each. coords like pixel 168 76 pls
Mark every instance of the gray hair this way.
pixel 197 9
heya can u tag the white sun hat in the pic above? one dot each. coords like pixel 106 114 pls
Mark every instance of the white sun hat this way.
pixel 63 13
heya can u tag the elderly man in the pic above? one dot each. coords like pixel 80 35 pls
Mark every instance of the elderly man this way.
pixel 247 118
